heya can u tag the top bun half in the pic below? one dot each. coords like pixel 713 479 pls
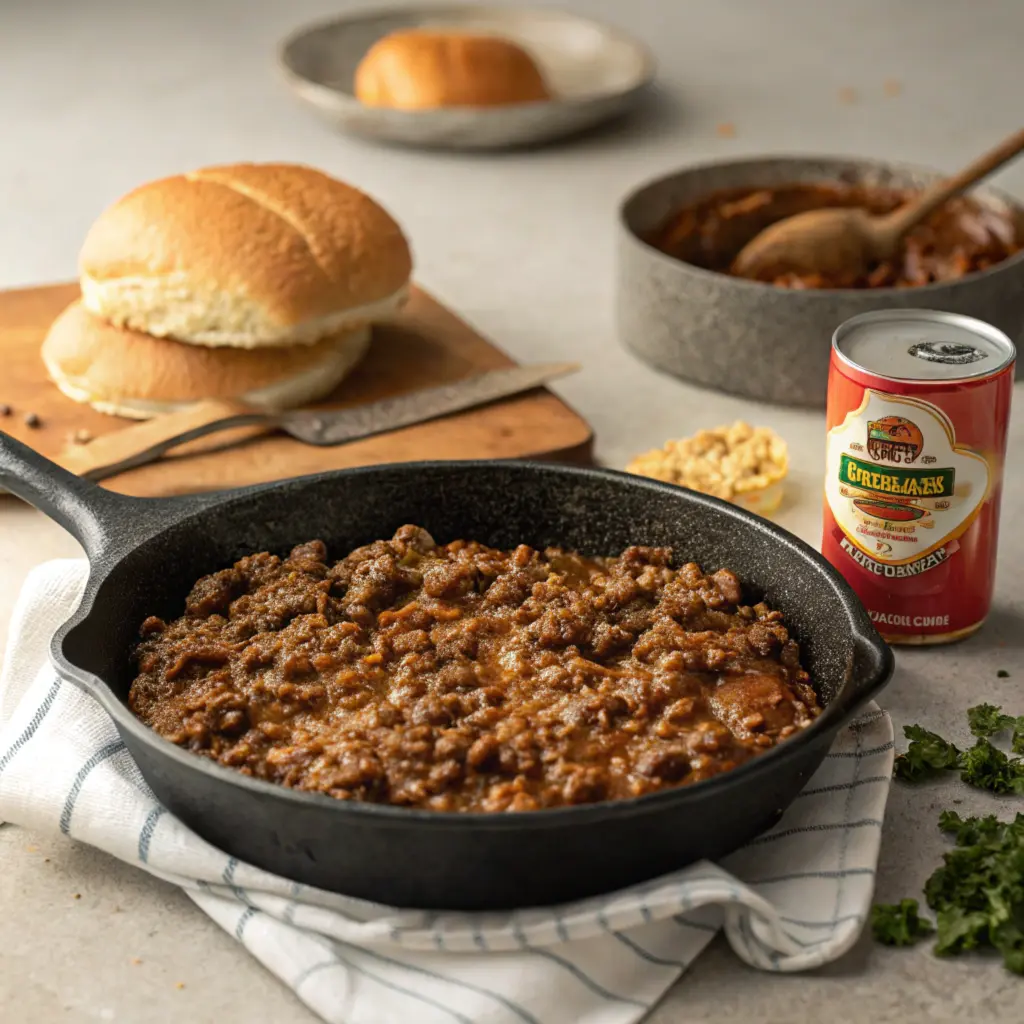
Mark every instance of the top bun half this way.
pixel 244 255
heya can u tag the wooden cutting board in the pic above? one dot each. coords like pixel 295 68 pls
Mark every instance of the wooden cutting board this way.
pixel 426 345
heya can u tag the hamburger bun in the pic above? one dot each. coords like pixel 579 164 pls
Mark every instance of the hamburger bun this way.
pixel 126 373
pixel 421 70
pixel 245 255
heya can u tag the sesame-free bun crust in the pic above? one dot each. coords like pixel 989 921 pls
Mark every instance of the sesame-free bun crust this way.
pixel 245 255
pixel 127 373
pixel 421 70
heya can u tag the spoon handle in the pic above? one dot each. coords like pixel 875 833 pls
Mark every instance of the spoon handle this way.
pixel 903 219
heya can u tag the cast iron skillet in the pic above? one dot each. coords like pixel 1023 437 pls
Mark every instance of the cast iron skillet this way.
pixel 146 554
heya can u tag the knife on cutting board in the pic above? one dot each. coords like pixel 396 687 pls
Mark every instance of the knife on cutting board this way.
pixel 135 446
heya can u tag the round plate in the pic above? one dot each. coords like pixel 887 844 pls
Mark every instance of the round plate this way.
pixel 595 72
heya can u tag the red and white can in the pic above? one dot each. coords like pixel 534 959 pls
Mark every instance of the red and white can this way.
pixel 918 409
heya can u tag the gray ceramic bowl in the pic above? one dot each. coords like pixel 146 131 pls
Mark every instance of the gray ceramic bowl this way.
pixel 596 73
pixel 758 340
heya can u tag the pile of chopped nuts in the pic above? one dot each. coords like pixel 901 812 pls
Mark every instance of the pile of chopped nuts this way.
pixel 738 463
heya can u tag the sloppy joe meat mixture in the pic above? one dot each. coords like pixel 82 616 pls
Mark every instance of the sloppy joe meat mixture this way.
pixel 463 678
pixel 962 237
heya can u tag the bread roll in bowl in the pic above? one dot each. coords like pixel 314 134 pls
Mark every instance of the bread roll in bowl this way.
pixel 245 255
pixel 424 70
pixel 127 373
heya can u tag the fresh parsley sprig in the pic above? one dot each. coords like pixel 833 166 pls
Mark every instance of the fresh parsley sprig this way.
pixel 977 894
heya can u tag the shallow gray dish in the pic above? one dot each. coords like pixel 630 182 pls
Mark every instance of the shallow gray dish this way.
pixel 758 340
pixel 596 73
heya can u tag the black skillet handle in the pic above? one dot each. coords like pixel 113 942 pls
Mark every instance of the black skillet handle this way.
pixel 102 522
pixel 873 666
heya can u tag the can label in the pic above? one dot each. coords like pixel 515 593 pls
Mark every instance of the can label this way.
pixel 900 489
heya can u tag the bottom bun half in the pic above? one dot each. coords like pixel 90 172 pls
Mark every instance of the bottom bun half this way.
pixel 127 373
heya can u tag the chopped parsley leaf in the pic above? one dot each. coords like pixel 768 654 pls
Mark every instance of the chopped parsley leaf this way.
pixel 927 755
pixel 987 767
pixel 988 719
pixel 898 924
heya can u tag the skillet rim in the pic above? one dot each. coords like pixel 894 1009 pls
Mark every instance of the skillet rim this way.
pixel 862 633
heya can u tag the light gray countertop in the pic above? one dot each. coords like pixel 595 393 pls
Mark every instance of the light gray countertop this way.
pixel 97 97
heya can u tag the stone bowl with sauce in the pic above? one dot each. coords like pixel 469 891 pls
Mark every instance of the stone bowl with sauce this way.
pixel 683 313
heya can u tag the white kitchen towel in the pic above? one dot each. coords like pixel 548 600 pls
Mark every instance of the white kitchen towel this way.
pixel 792 899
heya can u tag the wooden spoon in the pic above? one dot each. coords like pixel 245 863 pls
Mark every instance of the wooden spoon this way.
pixel 847 240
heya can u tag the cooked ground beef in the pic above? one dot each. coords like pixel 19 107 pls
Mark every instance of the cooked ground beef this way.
pixel 462 678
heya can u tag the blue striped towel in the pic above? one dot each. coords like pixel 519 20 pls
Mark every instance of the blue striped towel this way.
pixel 793 899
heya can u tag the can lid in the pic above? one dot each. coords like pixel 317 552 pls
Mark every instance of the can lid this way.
pixel 923 344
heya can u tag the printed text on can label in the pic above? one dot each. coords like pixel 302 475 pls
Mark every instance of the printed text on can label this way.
pixel 899 487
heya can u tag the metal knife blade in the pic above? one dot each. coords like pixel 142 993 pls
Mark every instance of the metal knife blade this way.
pixel 106 456
pixel 418 406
